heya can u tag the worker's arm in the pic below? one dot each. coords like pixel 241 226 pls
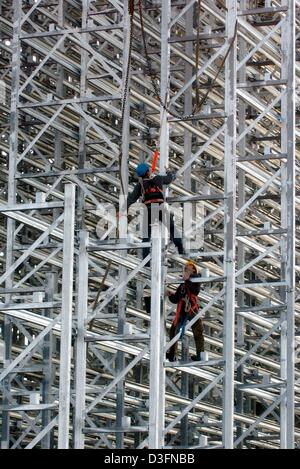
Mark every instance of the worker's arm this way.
pixel 134 196
pixel 176 297
pixel 167 179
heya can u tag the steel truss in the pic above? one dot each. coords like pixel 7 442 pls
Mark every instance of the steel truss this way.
pixel 82 365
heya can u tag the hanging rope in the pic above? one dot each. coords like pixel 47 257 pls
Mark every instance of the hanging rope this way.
pixel 131 5
pixel 96 302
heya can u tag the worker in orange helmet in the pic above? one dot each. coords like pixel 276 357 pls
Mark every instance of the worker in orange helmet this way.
pixel 187 307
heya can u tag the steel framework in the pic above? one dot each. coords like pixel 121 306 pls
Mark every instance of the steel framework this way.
pixel 214 85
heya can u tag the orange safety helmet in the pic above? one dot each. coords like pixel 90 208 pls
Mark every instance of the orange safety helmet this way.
pixel 193 266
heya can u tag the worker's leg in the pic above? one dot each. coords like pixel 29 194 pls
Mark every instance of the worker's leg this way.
pixel 198 332
pixel 174 235
pixel 147 301
pixel 172 351
pixel 152 213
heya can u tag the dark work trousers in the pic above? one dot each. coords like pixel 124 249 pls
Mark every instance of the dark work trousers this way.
pixel 158 210
pixel 198 332
pixel 147 300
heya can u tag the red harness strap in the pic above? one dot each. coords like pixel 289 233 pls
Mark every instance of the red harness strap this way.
pixel 151 193
pixel 153 201
pixel 190 304
pixel 131 7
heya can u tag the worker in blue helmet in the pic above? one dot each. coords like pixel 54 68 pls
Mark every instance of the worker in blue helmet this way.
pixel 142 169
pixel 150 188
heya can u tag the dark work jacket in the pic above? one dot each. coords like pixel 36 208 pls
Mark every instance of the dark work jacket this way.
pixel 153 189
pixel 186 299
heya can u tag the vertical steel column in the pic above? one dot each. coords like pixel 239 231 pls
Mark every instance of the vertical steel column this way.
pixel 288 146
pixel 156 357
pixel 164 83
pixel 283 362
pixel 83 123
pixel 5 427
pixel 47 362
pixel 10 237
pixel 82 259
pixel 163 165
pixel 240 203
pixel 284 225
pixel 184 424
pixel 229 226
pixel 58 151
pixel 81 346
pixel 187 207
pixel 120 360
pixel 58 135
pixel 66 324
pixel 188 96
pixel 188 108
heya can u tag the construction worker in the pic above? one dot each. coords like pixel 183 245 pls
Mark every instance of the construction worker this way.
pixel 187 307
pixel 150 188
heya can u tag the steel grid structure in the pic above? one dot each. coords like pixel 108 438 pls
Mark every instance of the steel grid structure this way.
pixel 81 364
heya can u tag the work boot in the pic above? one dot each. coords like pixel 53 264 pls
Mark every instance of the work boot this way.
pixel 196 358
pixel 200 357
pixel 181 249
pixel 170 357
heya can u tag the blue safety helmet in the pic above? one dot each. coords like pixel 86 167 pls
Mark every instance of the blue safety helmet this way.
pixel 142 169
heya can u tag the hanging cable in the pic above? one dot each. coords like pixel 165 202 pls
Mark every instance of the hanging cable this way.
pixel 198 55
pixel 131 5
pixel 202 102
pixel 151 74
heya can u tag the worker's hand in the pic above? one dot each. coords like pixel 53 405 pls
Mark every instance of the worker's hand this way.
pixel 174 174
pixel 168 293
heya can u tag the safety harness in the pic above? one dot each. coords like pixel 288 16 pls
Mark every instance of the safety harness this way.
pixel 152 193
pixel 190 305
